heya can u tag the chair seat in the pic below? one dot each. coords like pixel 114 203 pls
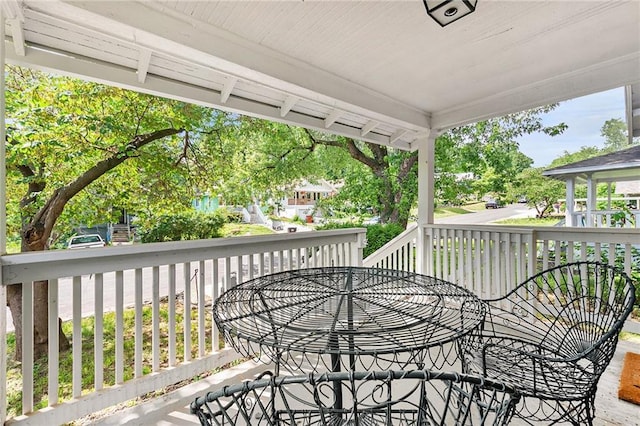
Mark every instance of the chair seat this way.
pixel 514 361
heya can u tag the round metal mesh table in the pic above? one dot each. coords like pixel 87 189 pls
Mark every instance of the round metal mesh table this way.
pixel 350 311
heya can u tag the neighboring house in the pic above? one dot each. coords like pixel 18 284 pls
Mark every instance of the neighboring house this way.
pixel 206 203
pixel 630 190
pixel 304 197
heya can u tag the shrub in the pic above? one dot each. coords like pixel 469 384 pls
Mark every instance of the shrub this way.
pixel 377 235
pixel 184 226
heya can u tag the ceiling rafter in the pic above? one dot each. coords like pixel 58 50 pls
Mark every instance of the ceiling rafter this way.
pixel 372 124
pixel 17 32
pixel 397 135
pixel 332 118
pixel 105 73
pixel 229 84
pixel 289 103
pixel 144 60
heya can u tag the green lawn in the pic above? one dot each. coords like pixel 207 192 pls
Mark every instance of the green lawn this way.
pixel 240 229
pixel 529 221
pixel 14 372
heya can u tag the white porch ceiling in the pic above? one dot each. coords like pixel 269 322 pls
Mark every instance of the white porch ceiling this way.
pixel 380 71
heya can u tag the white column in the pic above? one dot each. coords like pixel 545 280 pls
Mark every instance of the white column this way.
pixel 3 138
pixel 426 159
pixel 591 201
pixel 570 207
pixel 3 231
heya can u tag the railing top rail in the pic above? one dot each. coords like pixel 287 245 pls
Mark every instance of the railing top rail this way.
pixel 26 267
pixel 631 234
pixel 485 228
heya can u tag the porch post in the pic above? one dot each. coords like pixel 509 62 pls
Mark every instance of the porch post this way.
pixel 570 203
pixel 3 228
pixel 591 201
pixel 426 158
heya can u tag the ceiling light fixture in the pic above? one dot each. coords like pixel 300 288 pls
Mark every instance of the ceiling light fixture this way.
pixel 445 12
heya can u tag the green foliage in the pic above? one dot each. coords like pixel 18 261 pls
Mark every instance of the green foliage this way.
pixel 614 132
pixel 489 150
pixel 183 226
pixel 583 153
pixel 229 216
pixel 380 234
pixel 61 128
pixel 540 191
pixel 377 235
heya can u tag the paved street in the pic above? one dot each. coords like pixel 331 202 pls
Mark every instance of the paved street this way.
pixel 490 215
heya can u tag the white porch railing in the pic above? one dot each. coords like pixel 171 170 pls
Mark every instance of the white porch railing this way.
pixel 609 218
pixel 84 282
pixel 490 260
pixel 487 260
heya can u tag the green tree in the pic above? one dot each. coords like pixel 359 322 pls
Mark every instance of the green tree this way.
pixel 583 153
pixel 540 191
pixel 75 150
pixel 489 149
pixel 614 132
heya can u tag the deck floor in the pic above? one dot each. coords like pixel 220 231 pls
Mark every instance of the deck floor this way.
pixel 173 408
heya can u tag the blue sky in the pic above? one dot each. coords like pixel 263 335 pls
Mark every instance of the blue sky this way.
pixel 584 116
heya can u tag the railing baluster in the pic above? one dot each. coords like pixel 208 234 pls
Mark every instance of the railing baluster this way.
pixel 261 264
pixel 98 333
pixel 186 320
pixel 251 263
pixel 138 324
pixel 119 373
pixel 171 276
pixel 77 336
pixel 54 343
pixel 27 347
pixel 155 319
pixel 215 283
pixel 227 273
pixel 202 330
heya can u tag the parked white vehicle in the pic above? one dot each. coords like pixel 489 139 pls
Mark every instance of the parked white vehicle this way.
pixel 86 241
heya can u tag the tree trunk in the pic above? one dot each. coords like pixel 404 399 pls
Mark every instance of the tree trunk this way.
pixel 40 320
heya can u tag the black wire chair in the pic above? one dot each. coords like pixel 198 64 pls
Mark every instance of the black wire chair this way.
pixel 417 397
pixel 552 338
